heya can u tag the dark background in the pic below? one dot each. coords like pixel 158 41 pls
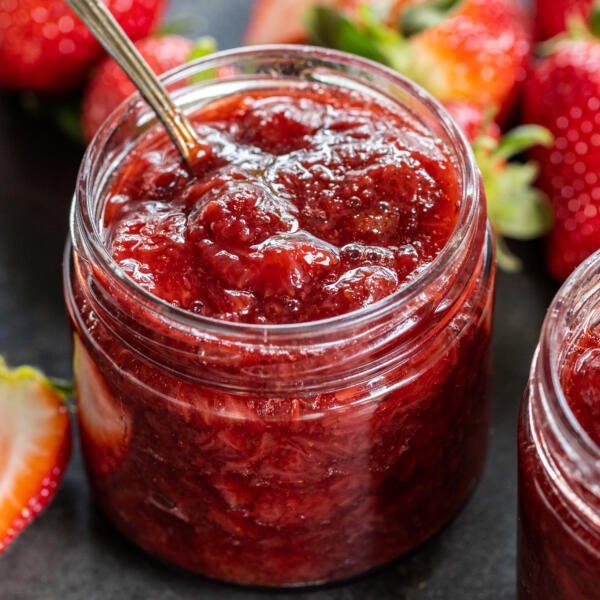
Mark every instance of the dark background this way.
pixel 72 552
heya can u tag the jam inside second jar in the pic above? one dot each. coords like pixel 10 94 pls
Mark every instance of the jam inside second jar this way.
pixel 311 203
pixel 559 505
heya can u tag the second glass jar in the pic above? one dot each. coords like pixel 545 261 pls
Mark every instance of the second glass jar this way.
pixel 559 474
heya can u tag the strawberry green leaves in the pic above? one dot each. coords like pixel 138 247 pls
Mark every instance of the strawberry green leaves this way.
pixel 14 376
pixel 578 29
pixel 367 37
pixel 522 138
pixel 516 208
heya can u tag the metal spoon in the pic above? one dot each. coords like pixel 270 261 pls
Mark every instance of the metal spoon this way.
pixel 115 41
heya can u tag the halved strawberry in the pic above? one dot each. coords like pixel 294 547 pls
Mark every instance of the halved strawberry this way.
pixel 104 423
pixel 35 445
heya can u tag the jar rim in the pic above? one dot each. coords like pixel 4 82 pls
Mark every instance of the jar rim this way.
pixel 550 354
pixel 466 165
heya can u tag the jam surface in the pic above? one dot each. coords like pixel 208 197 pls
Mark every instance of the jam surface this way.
pixel 309 204
pixel 559 554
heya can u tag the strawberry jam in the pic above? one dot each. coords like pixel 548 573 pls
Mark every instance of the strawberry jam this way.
pixel 282 357
pixel 312 203
pixel 559 451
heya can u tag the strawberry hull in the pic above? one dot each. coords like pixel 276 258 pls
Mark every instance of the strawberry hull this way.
pixel 46 49
pixel 284 453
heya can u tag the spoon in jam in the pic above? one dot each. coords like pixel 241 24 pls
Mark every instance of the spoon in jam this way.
pixel 109 33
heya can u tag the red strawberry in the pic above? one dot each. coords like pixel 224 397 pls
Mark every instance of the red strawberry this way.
pixel 476 54
pixel 109 85
pixel 45 48
pixel 104 422
pixel 460 50
pixel 552 16
pixel 563 94
pixel 35 445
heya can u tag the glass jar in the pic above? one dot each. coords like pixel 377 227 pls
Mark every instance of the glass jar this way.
pixel 281 454
pixel 559 463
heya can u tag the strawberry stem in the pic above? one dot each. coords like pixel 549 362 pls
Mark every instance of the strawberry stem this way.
pixel 522 138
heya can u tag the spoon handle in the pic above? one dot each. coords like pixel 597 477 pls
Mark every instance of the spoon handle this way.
pixel 110 34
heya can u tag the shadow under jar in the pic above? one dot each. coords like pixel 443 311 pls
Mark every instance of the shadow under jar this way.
pixel 279 454
pixel 559 449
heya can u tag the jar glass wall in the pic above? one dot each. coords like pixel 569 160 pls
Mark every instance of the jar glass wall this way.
pixel 282 454
pixel 559 472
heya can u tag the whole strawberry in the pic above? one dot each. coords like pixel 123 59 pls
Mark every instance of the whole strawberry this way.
pixel 476 53
pixel 109 86
pixel 552 16
pixel 563 94
pixel 45 48
pixel 460 50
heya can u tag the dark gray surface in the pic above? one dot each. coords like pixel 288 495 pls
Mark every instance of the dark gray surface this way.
pixel 71 552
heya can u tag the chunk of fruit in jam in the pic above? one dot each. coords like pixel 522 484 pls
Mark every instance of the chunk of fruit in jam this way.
pixel 105 424
pixel 314 203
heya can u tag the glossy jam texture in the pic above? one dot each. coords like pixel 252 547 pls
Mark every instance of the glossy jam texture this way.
pixel 309 204
pixel 559 554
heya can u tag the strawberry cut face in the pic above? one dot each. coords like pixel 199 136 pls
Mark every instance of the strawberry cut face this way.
pixel 104 422
pixel 35 445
